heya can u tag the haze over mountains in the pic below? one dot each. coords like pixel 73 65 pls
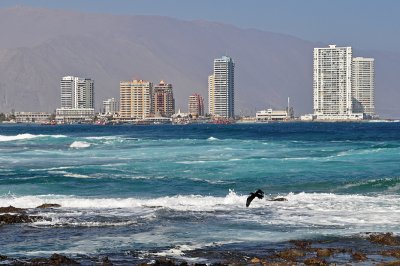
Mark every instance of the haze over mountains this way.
pixel 39 46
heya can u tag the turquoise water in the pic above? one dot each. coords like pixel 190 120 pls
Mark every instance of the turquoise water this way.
pixel 167 189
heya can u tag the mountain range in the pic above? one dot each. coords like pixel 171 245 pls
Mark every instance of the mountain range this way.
pixel 39 46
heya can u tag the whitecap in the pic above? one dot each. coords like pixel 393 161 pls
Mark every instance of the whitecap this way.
pixel 26 136
pixel 212 138
pixel 76 175
pixel 79 144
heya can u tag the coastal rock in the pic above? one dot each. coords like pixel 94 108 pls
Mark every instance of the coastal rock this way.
pixel 315 262
pixel 48 205
pixel 255 260
pixel 11 209
pixel 392 253
pixel 301 243
pixel 279 199
pixel 106 262
pixel 2 257
pixel 18 218
pixel 291 254
pixel 358 256
pixel 164 262
pixel 54 260
pixel 384 239
pixel 57 259
pixel 391 263
pixel 324 252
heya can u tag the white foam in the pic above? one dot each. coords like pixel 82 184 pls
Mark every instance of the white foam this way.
pixel 305 210
pixel 76 175
pixel 26 136
pixel 79 144
pixel 212 138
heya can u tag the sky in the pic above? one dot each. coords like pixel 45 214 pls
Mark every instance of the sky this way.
pixel 363 24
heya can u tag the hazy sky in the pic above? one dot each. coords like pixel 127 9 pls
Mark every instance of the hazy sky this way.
pixel 363 24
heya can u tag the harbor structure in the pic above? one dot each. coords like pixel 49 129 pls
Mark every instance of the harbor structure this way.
pixel 196 105
pixel 135 99
pixel 163 102
pixel 363 86
pixel 221 88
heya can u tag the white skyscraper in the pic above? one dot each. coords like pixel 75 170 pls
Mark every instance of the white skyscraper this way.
pixel 77 92
pixel 221 91
pixel 332 82
pixel 363 85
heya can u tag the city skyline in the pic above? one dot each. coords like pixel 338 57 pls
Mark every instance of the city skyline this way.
pixel 262 81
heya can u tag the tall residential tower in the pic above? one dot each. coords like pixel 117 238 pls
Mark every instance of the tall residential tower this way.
pixel 221 92
pixel 77 92
pixel 332 82
pixel 135 99
pixel 196 105
pixel 163 100
pixel 363 85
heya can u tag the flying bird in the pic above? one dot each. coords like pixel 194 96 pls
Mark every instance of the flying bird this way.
pixel 259 194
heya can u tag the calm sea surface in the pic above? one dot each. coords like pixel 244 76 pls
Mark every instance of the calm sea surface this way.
pixel 169 189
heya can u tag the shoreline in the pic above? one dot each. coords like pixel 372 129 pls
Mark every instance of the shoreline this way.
pixel 363 249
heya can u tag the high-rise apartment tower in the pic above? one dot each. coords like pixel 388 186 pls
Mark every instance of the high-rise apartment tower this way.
pixel 196 105
pixel 332 82
pixel 163 102
pixel 221 92
pixel 77 92
pixel 363 86
pixel 135 99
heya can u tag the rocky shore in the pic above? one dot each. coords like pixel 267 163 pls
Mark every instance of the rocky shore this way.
pixel 364 249
pixel 381 249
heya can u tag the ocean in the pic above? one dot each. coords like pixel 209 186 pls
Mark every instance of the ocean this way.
pixel 135 192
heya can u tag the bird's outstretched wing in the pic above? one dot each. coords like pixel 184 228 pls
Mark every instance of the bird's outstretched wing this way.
pixel 249 199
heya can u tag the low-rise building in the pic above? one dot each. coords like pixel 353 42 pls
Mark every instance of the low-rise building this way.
pixel 32 117
pixel 74 115
pixel 274 115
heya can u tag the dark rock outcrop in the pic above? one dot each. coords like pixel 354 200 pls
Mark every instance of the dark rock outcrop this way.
pixel 384 239
pixel 106 262
pixel 18 218
pixel 48 205
pixel 324 252
pixel 11 209
pixel 54 260
pixel 279 199
pixel 301 243
pixel 392 253
pixel 291 254
pixel 315 262
pixel 2 257
pixel 358 256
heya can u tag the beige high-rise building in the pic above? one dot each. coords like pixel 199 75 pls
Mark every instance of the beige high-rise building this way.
pixel 135 99
pixel 196 105
pixel 163 102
